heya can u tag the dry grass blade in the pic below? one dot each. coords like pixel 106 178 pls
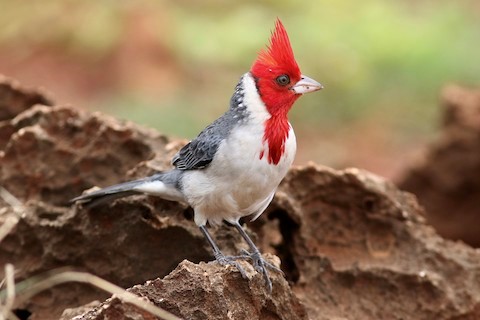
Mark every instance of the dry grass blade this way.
pixel 11 221
pixel 36 284
pixel 7 226
pixel 11 200
pixel 5 311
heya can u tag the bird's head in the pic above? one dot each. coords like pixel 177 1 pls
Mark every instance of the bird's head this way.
pixel 277 75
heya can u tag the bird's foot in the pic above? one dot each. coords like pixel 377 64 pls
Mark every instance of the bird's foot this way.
pixel 229 260
pixel 258 260
pixel 260 265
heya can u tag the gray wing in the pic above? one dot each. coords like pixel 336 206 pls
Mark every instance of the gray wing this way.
pixel 199 152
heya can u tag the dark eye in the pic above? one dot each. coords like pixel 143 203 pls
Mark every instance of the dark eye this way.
pixel 283 80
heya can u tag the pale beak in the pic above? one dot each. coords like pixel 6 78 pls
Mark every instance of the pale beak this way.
pixel 305 85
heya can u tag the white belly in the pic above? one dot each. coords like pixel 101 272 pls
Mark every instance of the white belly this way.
pixel 237 182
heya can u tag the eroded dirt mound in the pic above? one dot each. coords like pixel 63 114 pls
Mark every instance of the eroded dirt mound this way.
pixel 360 249
pixel 446 178
pixel 15 98
pixel 208 291
pixel 54 154
pixel 352 245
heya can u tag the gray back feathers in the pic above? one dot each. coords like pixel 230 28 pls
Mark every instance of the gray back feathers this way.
pixel 199 152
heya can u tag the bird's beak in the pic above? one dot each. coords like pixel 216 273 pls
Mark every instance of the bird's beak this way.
pixel 306 85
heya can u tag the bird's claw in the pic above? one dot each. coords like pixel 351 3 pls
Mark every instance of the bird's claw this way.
pixel 228 260
pixel 258 260
pixel 260 265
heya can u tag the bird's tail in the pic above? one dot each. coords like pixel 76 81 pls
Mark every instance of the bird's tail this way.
pixel 165 185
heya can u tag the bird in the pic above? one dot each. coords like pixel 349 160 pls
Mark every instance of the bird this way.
pixel 233 167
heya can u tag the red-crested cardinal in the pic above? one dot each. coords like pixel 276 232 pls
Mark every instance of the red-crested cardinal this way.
pixel 233 167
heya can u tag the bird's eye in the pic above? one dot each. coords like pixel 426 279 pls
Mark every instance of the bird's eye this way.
pixel 283 80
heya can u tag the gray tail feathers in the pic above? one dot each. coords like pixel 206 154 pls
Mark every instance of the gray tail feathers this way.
pixel 164 185
pixel 111 193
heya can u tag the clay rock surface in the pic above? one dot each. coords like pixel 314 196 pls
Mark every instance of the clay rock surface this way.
pixel 14 98
pixel 356 247
pixel 352 245
pixel 208 291
pixel 446 177
pixel 54 154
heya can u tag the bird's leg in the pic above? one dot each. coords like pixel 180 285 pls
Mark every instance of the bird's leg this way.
pixel 258 262
pixel 219 256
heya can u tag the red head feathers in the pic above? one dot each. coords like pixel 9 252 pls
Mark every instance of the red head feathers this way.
pixel 279 55
pixel 275 71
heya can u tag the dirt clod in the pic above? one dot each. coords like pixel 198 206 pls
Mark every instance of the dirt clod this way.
pixel 14 98
pixel 209 291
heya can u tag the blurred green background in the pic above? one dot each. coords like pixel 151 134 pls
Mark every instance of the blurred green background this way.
pixel 172 65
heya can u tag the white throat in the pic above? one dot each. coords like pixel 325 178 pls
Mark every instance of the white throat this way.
pixel 255 106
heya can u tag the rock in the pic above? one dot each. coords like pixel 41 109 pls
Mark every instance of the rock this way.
pixel 14 98
pixel 209 291
pixel 70 313
pixel 446 176
pixel 54 154
pixel 352 245
pixel 355 247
